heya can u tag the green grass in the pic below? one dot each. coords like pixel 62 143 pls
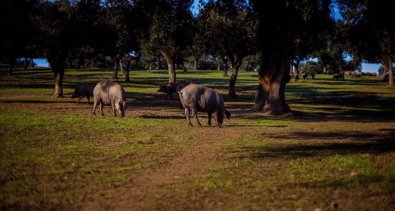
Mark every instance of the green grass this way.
pixel 337 151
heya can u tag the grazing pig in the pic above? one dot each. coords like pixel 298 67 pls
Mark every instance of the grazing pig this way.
pixel 170 88
pixel 313 75
pixel 304 75
pixel 83 90
pixel 109 92
pixel 338 77
pixel 199 98
pixel 182 84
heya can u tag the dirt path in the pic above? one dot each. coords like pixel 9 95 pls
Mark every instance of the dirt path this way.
pixel 194 162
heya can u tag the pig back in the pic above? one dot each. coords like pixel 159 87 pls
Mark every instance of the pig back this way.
pixel 116 92
pixel 101 91
pixel 87 88
pixel 202 98
pixel 211 101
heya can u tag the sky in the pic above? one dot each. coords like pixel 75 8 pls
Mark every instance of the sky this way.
pixel 41 62
pixel 370 67
pixel 195 7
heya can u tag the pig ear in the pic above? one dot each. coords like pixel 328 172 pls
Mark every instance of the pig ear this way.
pixel 227 114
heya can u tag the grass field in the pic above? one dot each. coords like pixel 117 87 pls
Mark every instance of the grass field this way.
pixel 336 152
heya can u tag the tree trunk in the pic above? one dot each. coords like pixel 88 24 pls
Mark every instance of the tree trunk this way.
pixel 296 72
pixel 169 56
pixel 121 65
pixel 115 70
pixel 260 98
pixel 232 84
pixel 32 62
pixel 79 63
pixel 58 83
pixel 10 69
pixel 225 73
pixel 58 69
pixel 271 97
pixel 273 34
pixel 195 64
pixel 295 64
pixel 184 69
pixel 127 71
pixel 25 64
pixel 232 81
pixel 390 72
pixel 159 63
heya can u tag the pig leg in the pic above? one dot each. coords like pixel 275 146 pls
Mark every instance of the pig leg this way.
pixel 113 108
pixel 79 99
pixel 94 107
pixel 196 117
pixel 215 118
pixel 187 116
pixel 101 108
pixel 88 98
pixel 209 118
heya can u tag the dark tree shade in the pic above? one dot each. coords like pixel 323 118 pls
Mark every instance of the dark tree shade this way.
pixel 278 21
pixel 65 26
pixel 18 32
pixel 371 31
pixel 170 30
pixel 227 29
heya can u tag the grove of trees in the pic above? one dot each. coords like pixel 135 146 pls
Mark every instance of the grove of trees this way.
pixel 282 33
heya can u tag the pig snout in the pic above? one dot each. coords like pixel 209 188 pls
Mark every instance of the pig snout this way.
pixel 228 114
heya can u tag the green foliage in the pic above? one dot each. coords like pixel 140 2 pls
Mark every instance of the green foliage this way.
pixel 369 16
pixel 171 26
pixel 18 33
pixel 227 29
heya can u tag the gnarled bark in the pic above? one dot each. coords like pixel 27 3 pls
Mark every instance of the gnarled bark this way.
pixel 273 32
pixel 270 96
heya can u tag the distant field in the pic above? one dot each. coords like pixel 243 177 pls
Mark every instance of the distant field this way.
pixel 336 152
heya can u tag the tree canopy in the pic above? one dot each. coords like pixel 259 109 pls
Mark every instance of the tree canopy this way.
pixel 283 32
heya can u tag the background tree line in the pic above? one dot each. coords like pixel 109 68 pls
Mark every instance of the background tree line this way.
pixel 267 35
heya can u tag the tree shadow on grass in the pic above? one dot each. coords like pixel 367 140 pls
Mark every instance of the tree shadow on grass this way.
pixel 39 102
pixel 358 180
pixel 344 115
pixel 162 117
pixel 138 100
pixel 340 143
pixel 346 98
